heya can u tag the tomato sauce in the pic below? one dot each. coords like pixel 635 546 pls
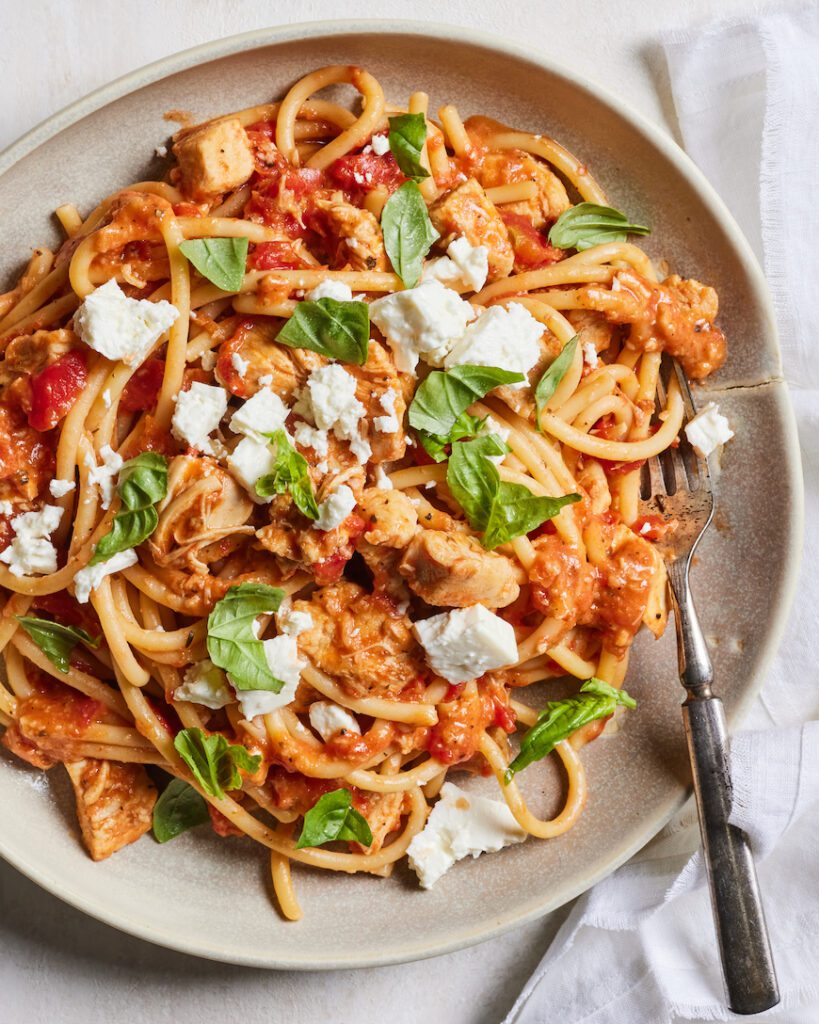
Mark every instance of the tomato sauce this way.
pixel 55 389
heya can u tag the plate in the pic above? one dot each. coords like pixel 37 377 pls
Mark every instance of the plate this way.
pixel 211 897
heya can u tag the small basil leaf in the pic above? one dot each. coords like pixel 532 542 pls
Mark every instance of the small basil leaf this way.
pixel 334 817
pixel 221 260
pixel 232 643
pixel 213 761
pixel 408 133
pixel 464 427
pixel 290 474
pixel 408 232
pixel 516 511
pixel 588 224
pixel 444 395
pixel 143 481
pixel 339 330
pixel 560 718
pixel 553 375
pixel 178 808
pixel 54 640
pixel 127 531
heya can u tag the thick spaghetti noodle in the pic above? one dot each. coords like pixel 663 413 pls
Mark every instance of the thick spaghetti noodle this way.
pixel 226 475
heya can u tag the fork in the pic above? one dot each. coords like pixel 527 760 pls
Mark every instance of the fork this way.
pixel 677 485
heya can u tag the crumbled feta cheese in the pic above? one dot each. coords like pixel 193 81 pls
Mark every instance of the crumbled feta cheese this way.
pixel 330 289
pixel 266 380
pixel 324 466
pixel 250 460
pixel 122 328
pixel 260 415
pixel 491 426
pixel 590 355
pixel 89 579
pixel 204 684
pixel 505 337
pixel 464 266
pixel 329 719
pixel 207 360
pixel 103 476
pixel 708 430
pixel 285 662
pixel 31 550
pixel 198 413
pixel 645 529
pixel 421 322
pixel 465 643
pixel 311 437
pixel 291 622
pixel 460 825
pixel 241 366
pixel 106 398
pixel 380 144
pixel 161 151
pixel 7 508
pixel 329 399
pixel 380 480
pixel 335 509
pixel 387 424
pixel 59 488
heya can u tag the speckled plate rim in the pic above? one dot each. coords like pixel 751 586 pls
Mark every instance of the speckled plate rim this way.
pixel 671 152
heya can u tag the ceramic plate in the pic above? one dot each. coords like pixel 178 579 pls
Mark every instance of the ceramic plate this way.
pixel 212 897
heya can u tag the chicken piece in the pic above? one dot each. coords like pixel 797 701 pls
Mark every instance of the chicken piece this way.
pixel 390 517
pixel 592 328
pixel 132 217
pixel 53 719
pixel 454 570
pixel 203 505
pixel 25 748
pixel 114 803
pixel 383 564
pixel 361 641
pixel 562 581
pixel 254 342
pixel 213 158
pixel 30 353
pixel 383 813
pixel 675 316
pixel 507 167
pixel 466 212
pixel 461 722
pixel 26 463
pixel 353 235
pixel 378 378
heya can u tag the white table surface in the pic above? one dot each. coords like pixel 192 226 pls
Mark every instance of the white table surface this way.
pixel 58 966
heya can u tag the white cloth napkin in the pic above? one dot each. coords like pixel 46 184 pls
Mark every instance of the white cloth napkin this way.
pixel 639 948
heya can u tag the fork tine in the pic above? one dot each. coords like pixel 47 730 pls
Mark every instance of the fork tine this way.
pixel 655 476
pixel 697 469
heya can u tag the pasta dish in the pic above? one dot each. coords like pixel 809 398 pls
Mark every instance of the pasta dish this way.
pixel 315 452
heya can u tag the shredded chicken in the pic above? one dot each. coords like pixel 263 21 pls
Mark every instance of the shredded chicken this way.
pixel 383 813
pixel 28 354
pixel 378 378
pixel 466 212
pixel 513 165
pixel 353 234
pixel 454 570
pixel 390 517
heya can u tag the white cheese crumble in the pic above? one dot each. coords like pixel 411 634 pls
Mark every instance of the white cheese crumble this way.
pixel 380 480
pixel 241 366
pixel 103 476
pixel 506 337
pixel 708 430
pixel 121 328
pixel 465 643
pixel 330 400
pixel 198 413
pixel 387 424
pixel 59 488
pixel 464 266
pixel 335 509
pixel 590 355
pixel 285 662
pixel 7 508
pixel 329 719
pixel 31 550
pixel 266 380
pixel 422 322
pixel 330 289
pixel 380 144
pixel 260 415
pixel 106 398
pixel 204 684
pixel 89 579
pixel 311 437
pixel 161 151
pixel 460 825
pixel 250 460
pixel 291 622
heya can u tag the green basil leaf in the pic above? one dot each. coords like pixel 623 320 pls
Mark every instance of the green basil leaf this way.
pixel 408 133
pixel 339 330
pixel 334 817
pixel 232 644
pixel 444 395
pixel 464 427
pixel 143 481
pixel 408 232
pixel 213 761
pixel 178 808
pixel 221 260
pixel 55 640
pixel 588 224
pixel 560 718
pixel 553 375
pixel 499 510
pixel 290 474
pixel 127 531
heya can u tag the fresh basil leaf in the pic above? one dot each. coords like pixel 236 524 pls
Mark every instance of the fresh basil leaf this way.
pixel 213 761
pixel 553 375
pixel 127 531
pixel 463 428
pixel 232 643
pixel 499 510
pixel 444 395
pixel 408 232
pixel 55 640
pixel 334 817
pixel 143 481
pixel 290 474
pixel 221 260
pixel 178 808
pixel 408 133
pixel 560 718
pixel 339 330
pixel 588 224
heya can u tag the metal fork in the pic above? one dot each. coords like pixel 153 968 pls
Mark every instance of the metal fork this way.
pixel 677 485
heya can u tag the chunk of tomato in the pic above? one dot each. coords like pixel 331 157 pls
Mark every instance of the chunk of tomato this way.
pixel 142 390
pixel 55 389
pixel 363 172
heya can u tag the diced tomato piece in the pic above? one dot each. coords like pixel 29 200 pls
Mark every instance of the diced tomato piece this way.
pixel 266 128
pixel 532 247
pixel 421 456
pixel 66 610
pixel 542 530
pixel 620 468
pixel 363 172
pixel 55 389
pixel 226 372
pixel 142 390
pixel 454 691
pixel 275 256
pixel 652 527
pixel 505 717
